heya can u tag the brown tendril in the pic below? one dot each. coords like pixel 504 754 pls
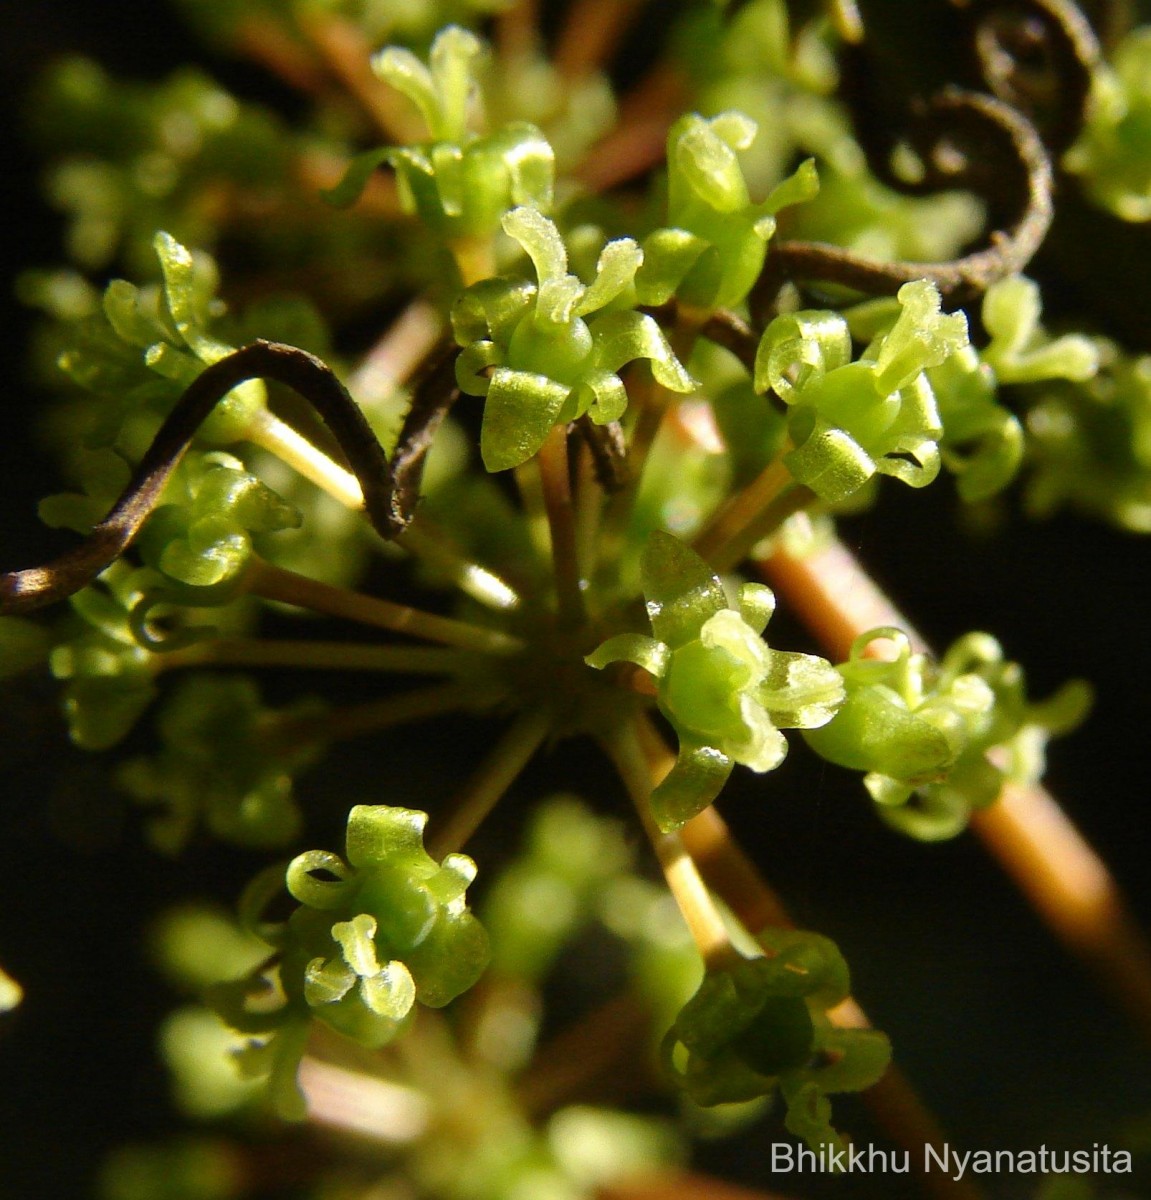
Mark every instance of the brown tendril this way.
pixel 1040 57
pixel 434 392
pixel 388 495
pixel 964 140
pixel 608 452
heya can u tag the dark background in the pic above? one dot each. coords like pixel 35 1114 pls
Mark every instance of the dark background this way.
pixel 1005 1034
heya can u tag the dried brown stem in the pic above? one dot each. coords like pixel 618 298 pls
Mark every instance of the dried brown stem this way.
pixel 982 144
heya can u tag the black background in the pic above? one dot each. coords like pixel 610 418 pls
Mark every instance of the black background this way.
pixel 1006 1035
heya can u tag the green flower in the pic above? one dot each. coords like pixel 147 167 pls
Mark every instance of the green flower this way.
pixel 762 1023
pixel 374 933
pixel 923 731
pixel 726 693
pixel 529 350
pixel 851 420
pixel 219 767
pixel 459 183
pixel 714 248
pixel 1113 153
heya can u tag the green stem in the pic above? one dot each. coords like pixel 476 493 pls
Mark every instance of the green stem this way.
pixel 338 656
pixel 276 583
pixel 358 719
pixel 695 902
pixel 488 784
pixel 556 483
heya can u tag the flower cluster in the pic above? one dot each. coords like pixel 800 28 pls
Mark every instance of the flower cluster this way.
pixel 762 1023
pixel 938 740
pixel 373 933
pixel 534 358
pixel 726 693
pixel 850 420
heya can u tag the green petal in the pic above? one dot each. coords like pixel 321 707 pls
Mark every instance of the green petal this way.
pixel 681 590
pixel 609 401
pixel 623 337
pixel 355 179
pixel 541 241
pixel 378 833
pixel 391 992
pixel 668 256
pixel 519 413
pixel 634 648
pixel 692 784
pixel 798 348
pixel 756 605
pixel 830 462
pixel 801 691
pixel 618 262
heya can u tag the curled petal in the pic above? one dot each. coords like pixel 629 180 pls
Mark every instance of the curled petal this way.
pixel 830 462
pixel 379 832
pixel 798 348
pixel 801 691
pixel 609 397
pixel 618 262
pixel 540 240
pixel 692 784
pixel 634 648
pixel 681 590
pixel 756 605
pixel 318 893
pixel 390 993
pixel 623 337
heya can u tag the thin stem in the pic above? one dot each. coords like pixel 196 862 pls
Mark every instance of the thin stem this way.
pixel 421 537
pixel 529 484
pixel 732 532
pixel 348 54
pixel 267 42
pixel 893 1100
pixel 1070 886
pixel 327 656
pixel 475 258
pixel 291 447
pixel 589 506
pixel 397 355
pixel 737 881
pixel 592 32
pixel 555 480
pixel 517 29
pixel 490 782
pixel 1067 882
pixel 352 721
pixel 288 587
pixel 638 141
pixel 640 776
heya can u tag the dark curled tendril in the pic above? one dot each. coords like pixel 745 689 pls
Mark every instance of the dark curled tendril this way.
pixel 964 140
pixel 1040 57
pixel 35 587
pixel 434 392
